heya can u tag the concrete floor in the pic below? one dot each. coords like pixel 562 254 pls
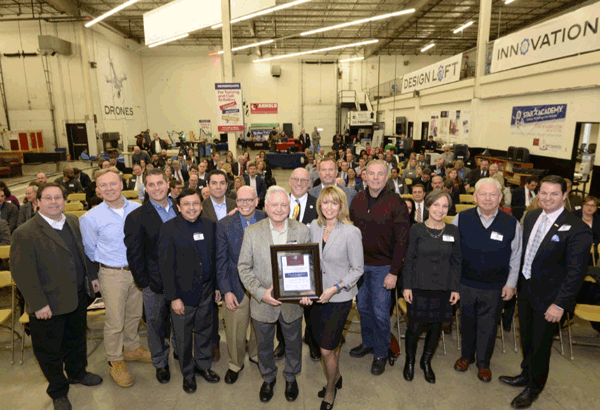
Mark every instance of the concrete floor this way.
pixel 572 384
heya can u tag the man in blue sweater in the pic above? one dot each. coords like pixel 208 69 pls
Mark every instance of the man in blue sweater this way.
pixel 490 242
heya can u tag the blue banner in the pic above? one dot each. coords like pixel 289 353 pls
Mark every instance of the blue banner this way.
pixel 536 113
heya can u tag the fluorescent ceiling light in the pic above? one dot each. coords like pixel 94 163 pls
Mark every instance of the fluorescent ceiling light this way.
pixel 362 43
pixel 508 1
pixel 461 28
pixel 263 12
pixel 427 48
pixel 352 23
pixel 111 12
pixel 352 59
pixel 169 40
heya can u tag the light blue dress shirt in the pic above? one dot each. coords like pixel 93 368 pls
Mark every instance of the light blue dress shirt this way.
pixel 166 214
pixel 220 210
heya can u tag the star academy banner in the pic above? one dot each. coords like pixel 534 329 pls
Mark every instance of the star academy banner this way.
pixel 229 107
pixel 444 72
pixel 572 33
pixel 541 125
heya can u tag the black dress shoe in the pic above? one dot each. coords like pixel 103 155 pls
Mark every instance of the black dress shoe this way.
pixel 62 403
pixel 279 351
pixel 88 379
pixel 232 376
pixel 525 399
pixel 163 374
pixel 291 390
pixel 338 386
pixel 266 391
pixel 361 351
pixel 176 357
pixel 378 366
pixel 208 375
pixel 253 361
pixel 315 353
pixel 516 381
pixel 329 406
pixel 189 385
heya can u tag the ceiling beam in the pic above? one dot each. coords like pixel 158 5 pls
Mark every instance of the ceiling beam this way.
pixel 252 29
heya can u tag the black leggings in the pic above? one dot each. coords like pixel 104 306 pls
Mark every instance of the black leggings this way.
pixel 433 334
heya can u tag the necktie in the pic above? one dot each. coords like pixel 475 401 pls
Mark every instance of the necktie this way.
pixel 419 215
pixel 178 176
pixel 297 210
pixel 532 250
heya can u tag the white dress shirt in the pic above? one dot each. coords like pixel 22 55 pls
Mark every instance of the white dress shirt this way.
pixel 302 201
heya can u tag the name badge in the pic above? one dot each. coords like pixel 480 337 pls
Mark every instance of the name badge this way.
pixel 448 238
pixel 577 208
pixel 496 236
pixel 564 228
pixel 198 236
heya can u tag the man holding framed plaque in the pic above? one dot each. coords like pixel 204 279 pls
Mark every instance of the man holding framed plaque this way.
pixel 255 270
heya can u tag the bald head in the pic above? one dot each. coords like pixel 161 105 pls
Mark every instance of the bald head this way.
pixel 42 178
pixel 246 191
pixel 299 182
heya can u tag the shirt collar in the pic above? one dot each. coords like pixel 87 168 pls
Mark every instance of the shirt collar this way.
pixel 216 205
pixel 54 224
pixel 275 230
pixel 157 206
pixel 302 199
pixel 554 215
pixel 482 216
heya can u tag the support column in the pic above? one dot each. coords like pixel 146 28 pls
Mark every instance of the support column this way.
pixel 227 63
pixel 87 87
pixel 483 37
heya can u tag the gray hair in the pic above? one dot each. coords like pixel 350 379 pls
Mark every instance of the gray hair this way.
pixel 175 163
pixel 495 166
pixel 491 181
pixel 273 190
pixel 435 195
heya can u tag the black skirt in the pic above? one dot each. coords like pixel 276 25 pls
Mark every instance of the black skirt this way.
pixel 430 306
pixel 328 320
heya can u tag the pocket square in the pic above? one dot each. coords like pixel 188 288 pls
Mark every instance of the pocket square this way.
pixel 555 238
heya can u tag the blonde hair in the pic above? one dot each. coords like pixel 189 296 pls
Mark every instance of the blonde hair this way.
pixel 338 196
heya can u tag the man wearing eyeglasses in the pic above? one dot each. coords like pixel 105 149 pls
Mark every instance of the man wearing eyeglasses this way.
pixel 230 232
pixel 490 242
pixel 104 243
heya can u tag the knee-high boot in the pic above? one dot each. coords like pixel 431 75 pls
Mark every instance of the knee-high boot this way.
pixel 431 342
pixel 411 340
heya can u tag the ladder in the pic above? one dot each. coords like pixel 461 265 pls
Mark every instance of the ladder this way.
pixel 3 95
pixel 46 68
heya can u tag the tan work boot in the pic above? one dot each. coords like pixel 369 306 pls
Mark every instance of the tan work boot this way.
pixel 138 355
pixel 120 374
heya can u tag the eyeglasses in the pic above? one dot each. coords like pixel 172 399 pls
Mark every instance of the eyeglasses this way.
pixel 52 198
pixel 245 201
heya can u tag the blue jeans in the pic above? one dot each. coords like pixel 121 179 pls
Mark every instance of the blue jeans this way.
pixel 373 302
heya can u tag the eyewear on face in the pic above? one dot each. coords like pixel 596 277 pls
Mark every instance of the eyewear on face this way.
pixel 52 198
pixel 190 204
pixel 303 180
pixel 245 201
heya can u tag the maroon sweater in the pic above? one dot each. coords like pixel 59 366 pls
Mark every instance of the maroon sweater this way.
pixel 384 228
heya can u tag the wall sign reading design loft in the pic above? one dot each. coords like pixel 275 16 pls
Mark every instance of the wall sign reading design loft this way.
pixel 572 33
pixel 444 72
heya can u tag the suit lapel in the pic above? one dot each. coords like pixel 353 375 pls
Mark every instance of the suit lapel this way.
pixel 553 230
pixel 51 232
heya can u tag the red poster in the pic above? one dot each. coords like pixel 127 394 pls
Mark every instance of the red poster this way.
pixel 263 108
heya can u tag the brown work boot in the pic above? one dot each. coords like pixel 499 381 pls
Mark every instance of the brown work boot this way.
pixel 120 374
pixel 138 355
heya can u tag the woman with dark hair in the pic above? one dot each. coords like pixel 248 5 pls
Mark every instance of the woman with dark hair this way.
pixel 431 280
pixel 353 180
pixel 410 204
pixel 9 196
pixel 588 214
pixel 452 175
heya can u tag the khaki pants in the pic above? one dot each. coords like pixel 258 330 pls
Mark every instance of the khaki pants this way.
pixel 236 329
pixel 123 300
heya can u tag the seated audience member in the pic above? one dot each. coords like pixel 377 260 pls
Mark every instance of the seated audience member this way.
pixel 482 172
pixel 496 174
pixel 396 183
pixel 362 184
pixel 115 163
pixel 411 170
pixel 454 195
pixel 85 156
pixel 9 196
pixel 452 175
pixel 256 182
pixel 463 172
pixel 522 196
pixel 29 208
pixel 421 211
pixel 412 155
pixel 447 155
pixel 352 180
pixel 437 182
pixel 178 173
pixel 138 155
pixel 157 162
pixel 430 146
pixel 69 182
pixel 574 202
pixel 169 174
pixel 588 213
pixel 425 179
pixel 422 162
pixel 535 204
pixel 410 205
pixel 82 177
pixel 439 168
pixel 205 193
pixel 41 178
pixel 175 188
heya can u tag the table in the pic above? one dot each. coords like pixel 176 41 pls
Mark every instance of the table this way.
pixel 256 145
pixel 223 147
pixel 286 161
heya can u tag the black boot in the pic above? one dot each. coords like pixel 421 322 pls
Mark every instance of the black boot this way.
pixel 431 341
pixel 411 351
pixel 426 366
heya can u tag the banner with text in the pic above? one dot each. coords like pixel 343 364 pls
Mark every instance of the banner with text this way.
pixel 263 108
pixel 229 107
pixel 542 123
pixel 115 86
pixel 569 34
pixel 443 72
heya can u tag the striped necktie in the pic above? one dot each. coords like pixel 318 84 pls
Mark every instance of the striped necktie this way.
pixel 297 210
pixel 419 216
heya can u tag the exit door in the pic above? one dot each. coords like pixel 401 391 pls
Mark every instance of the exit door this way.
pixel 77 139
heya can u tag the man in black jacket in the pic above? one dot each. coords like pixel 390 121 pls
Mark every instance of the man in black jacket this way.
pixel 141 236
pixel 188 269
pixel 522 196
pixel 9 212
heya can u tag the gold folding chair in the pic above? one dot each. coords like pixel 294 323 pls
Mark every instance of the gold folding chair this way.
pixel 590 313
pixel 74 206
pixel 464 207
pixel 127 177
pixel 448 219
pixel 6 281
pixel 130 194
pixel 406 196
pixel 467 199
pixel 76 197
pixel 408 181
pixel 78 214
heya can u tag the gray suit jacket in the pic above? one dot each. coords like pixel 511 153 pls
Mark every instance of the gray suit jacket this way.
pixel 254 267
pixel 315 191
pixel 208 210
pixel 401 185
pixel 342 258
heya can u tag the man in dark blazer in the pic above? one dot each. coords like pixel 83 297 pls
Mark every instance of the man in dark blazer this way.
pixel 50 267
pixel 187 266
pixel 304 138
pixel 328 174
pixel 157 145
pixel 482 172
pixel 522 196
pixel 260 186
pixel 418 193
pixel 82 177
pixel 240 166
pixel 141 237
pixel 178 173
pixel 556 248
pixel 236 315
pixel 396 183
pixel 9 212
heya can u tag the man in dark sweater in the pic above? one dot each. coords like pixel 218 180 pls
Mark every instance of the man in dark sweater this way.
pixel 490 242
pixel 383 220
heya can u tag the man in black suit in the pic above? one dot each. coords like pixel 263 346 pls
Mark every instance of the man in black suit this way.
pixel 304 138
pixel 239 167
pixel 522 196
pixel 256 182
pixel 141 237
pixel 555 257
pixel 82 177
pixel 8 211
pixel 112 160
pixel 424 180
pixel 213 161
pixel 482 172
pixel 157 145
pixel 178 173
pixel 195 183
pixel 187 266
pixel 50 267
pixel 449 187
pixel 418 193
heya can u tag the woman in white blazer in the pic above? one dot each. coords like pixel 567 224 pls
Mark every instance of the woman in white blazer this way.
pixel 342 265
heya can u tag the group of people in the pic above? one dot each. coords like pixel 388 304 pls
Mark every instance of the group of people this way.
pixel 179 254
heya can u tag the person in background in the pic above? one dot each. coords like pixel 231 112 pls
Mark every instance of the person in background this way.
pixel 41 178
pixel 114 162
pixel 397 184
pixel 411 171
pixel 431 281
pixel 424 179
pixel 430 146
pixel 316 140
pixel 8 211
pixel 447 155
pixel 30 208
pixel 85 155
pixel 463 172
pixel 588 214
pixel 352 180
pixel 138 155
pixel 205 193
pixel 175 188
pixel 574 202
pixel 522 196
pixel 342 265
pixel 453 176
pixel 69 182
pixel 410 206
pixel 451 190
pixel 497 175
pixel 82 177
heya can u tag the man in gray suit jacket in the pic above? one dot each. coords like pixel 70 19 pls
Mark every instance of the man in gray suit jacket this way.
pixel 254 266
pixel 328 173
pixel 50 268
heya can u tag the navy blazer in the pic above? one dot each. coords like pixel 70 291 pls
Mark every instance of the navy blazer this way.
pixel 261 187
pixel 142 227
pixel 181 265
pixel 310 213
pixel 229 243
pixel 561 261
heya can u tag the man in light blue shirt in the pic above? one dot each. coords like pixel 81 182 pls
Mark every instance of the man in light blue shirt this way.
pixel 103 240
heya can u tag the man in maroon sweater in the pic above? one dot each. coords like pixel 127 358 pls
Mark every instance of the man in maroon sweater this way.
pixel 383 220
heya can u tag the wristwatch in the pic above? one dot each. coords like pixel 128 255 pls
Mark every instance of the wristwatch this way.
pixel 339 288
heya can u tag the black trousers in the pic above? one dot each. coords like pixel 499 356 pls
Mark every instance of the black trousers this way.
pixel 308 334
pixel 537 336
pixel 59 345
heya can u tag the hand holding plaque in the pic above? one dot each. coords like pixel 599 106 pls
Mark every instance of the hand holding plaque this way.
pixel 296 272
